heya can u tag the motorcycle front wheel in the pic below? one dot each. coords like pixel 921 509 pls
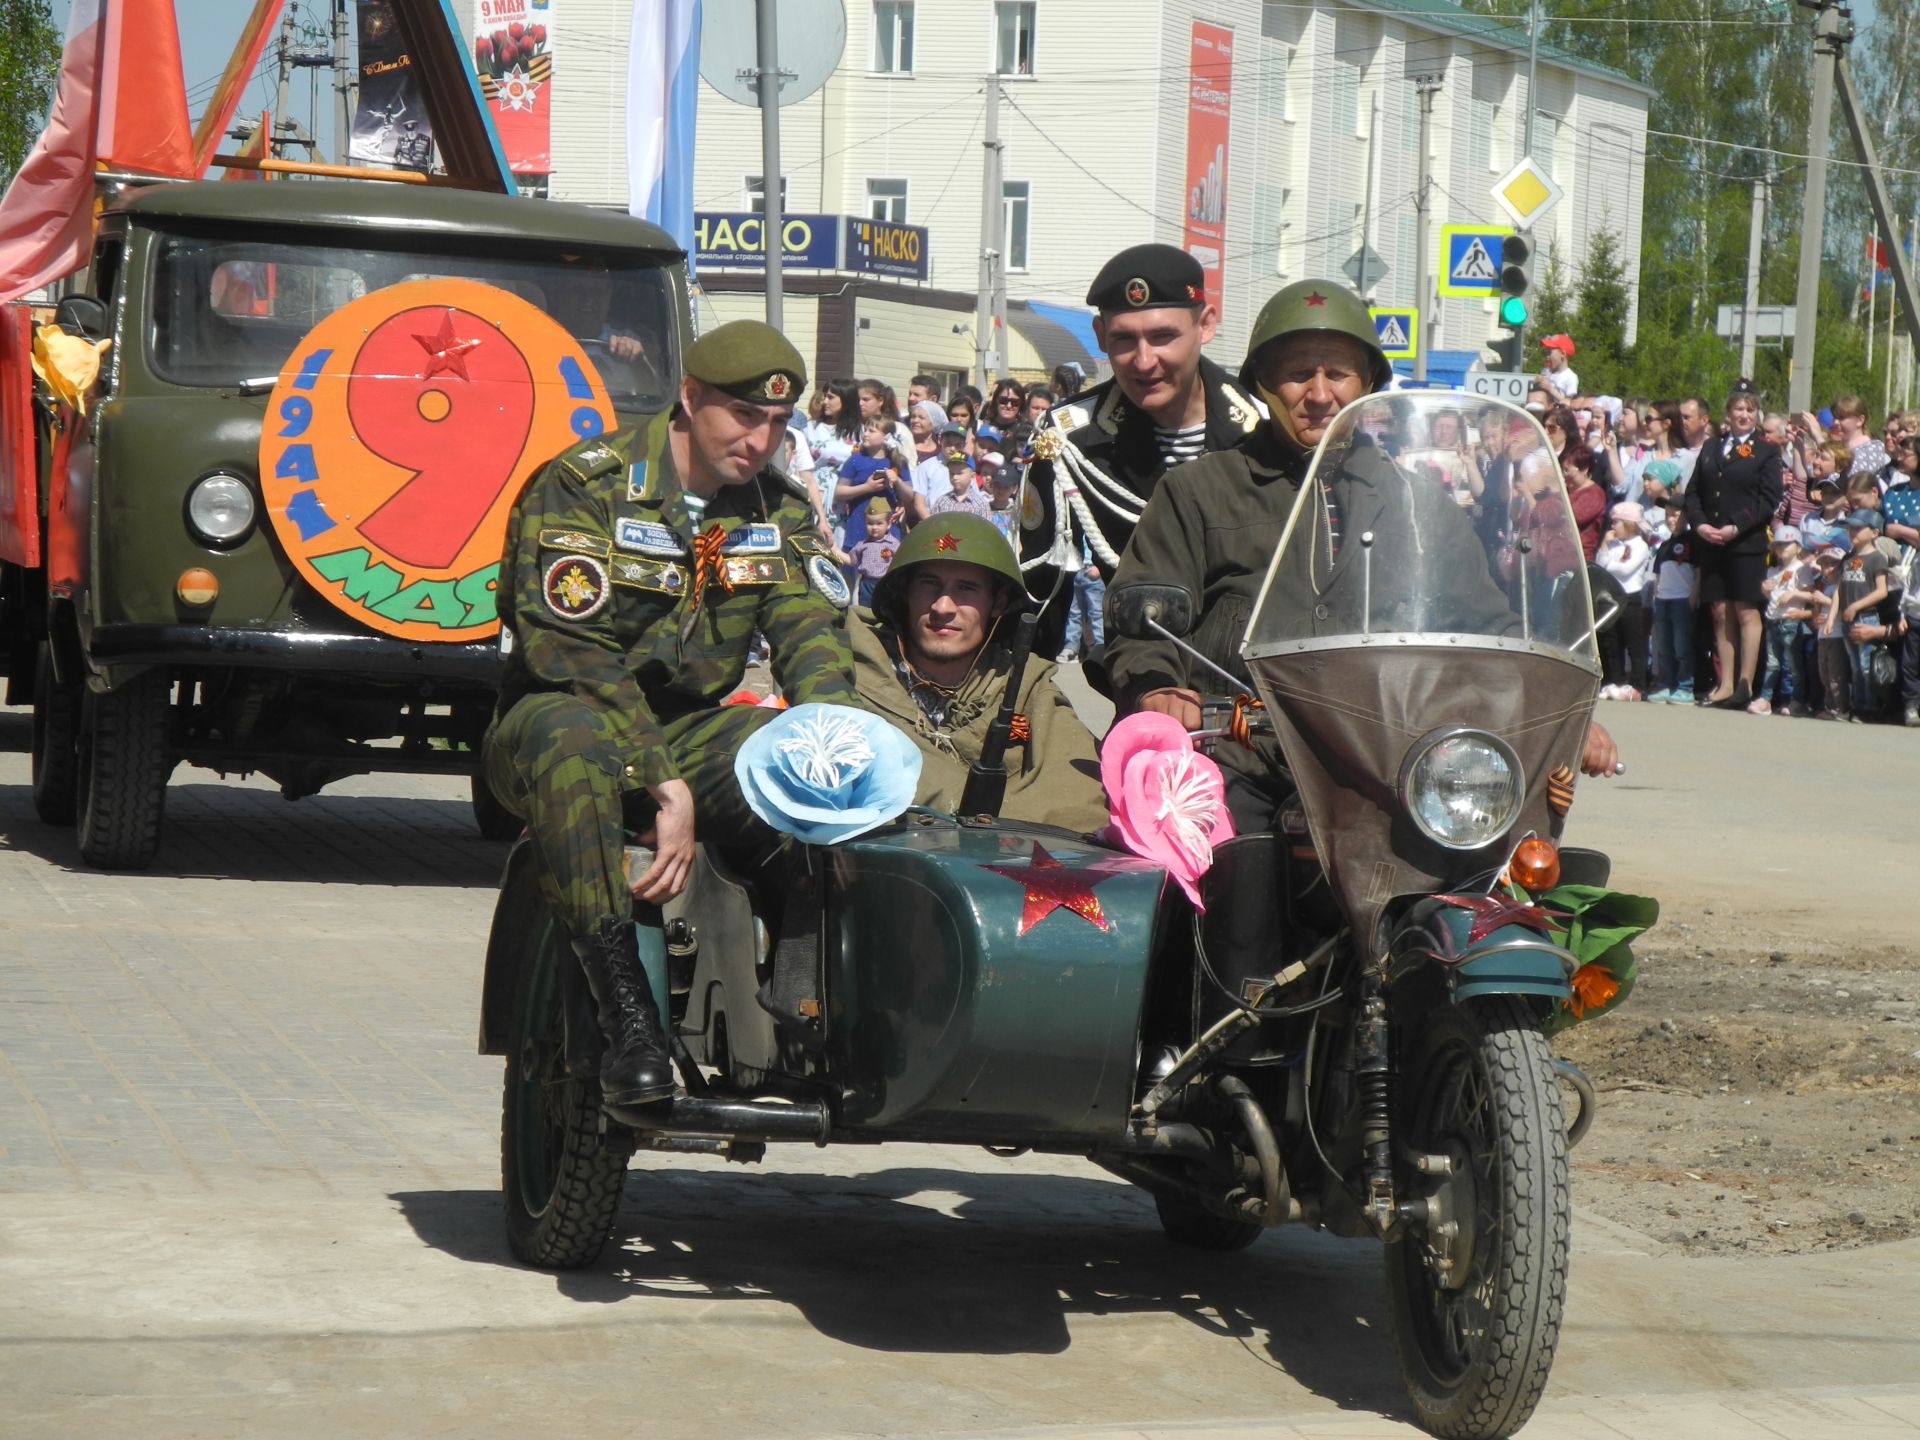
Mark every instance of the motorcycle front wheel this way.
pixel 1476 1311
pixel 561 1174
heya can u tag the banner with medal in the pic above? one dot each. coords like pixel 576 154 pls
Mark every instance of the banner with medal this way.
pixel 513 58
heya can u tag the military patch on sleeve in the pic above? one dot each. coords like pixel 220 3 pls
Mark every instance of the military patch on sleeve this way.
pixel 758 538
pixel 647 537
pixel 828 580
pixel 579 542
pixel 663 579
pixel 576 587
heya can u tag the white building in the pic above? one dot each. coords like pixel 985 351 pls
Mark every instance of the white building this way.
pixel 1095 129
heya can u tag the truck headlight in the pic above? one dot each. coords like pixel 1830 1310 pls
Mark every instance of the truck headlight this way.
pixel 220 510
pixel 1462 787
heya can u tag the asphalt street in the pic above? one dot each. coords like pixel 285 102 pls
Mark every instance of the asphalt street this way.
pixel 249 1182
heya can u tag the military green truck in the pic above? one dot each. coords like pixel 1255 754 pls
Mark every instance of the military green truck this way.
pixel 272 542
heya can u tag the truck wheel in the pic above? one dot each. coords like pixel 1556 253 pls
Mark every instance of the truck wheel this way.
pixel 494 820
pixel 561 1175
pixel 56 756
pixel 1187 1223
pixel 123 772
pixel 1476 1309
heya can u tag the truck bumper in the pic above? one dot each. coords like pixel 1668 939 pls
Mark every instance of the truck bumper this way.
pixel 364 657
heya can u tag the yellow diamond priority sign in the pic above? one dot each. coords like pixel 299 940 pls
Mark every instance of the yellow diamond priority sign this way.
pixel 1526 193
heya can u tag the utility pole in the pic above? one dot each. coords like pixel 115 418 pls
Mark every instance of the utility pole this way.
pixel 285 63
pixel 1428 86
pixel 1749 315
pixel 1886 223
pixel 342 83
pixel 1366 199
pixel 773 221
pixel 1829 27
pixel 989 310
pixel 1533 69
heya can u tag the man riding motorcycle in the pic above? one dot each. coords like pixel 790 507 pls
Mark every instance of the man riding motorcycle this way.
pixel 1213 525
pixel 934 657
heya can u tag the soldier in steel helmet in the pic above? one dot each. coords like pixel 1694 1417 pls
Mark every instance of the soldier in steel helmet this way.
pixel 1213 525
pixel 638 566
pixel 1166 403
pixel 933 657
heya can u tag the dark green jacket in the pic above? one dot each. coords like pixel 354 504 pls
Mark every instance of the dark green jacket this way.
pixel 596 593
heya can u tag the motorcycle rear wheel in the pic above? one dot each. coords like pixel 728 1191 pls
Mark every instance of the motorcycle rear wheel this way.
pixel 561 1176
pixel 1474 1355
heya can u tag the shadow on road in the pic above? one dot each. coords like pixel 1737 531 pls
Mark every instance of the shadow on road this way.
pixel 976 1264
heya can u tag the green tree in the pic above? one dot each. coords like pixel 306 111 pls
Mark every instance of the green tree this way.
pixel 1601 317
pixel 1552 305
pixel 29 65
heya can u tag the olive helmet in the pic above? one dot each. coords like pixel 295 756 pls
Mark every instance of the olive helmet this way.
pixel 1310 305
pixel 969 539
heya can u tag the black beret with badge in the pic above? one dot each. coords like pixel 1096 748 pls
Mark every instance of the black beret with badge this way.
pixel 749 360
pixel 1148 275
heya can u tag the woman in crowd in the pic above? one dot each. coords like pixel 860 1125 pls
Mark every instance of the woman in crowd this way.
pixel 963 412
pixel 1586 497
pixel 1039 401
pixel 1448 460
pixel 1004 408
pixel 1735 491
pixel 1068 380
pixel 1562 430
pixel 876 401
pixel 833 433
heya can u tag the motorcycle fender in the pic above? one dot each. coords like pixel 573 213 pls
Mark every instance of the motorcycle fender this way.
pixel 1511 960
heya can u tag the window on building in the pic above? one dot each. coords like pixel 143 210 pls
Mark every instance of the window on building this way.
pixel 1480 134
pixel 893 37
pixel 1017 196
pixel 887 200
pixel 754 188
pixel 1346 98
pixel 1269 228
pixel 1276 81
pixel 1013 32
pixel 1546 143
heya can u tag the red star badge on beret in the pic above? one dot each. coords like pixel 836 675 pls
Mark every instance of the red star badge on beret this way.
pixel 946 542
pixel 1051 885
pixel 1316 299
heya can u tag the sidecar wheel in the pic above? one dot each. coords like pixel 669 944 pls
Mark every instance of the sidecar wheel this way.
pixel 562 1177
pixel 1476 1337
pixel 1189 1224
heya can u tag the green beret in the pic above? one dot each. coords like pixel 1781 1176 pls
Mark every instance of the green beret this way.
pixel 750 361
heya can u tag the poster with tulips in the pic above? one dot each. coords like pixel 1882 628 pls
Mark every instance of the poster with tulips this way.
pixel 511 52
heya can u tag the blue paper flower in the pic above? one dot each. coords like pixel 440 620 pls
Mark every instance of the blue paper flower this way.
pixel 826 773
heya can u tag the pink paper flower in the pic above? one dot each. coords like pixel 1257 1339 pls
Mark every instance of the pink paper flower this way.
pixel 1166 800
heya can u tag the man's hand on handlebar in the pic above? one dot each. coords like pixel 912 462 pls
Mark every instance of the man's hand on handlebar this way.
pixel 1600 756
pixel 1182 705
pixel 672 840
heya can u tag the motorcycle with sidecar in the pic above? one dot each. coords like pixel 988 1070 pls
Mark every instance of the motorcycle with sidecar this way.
pixel 1351 1035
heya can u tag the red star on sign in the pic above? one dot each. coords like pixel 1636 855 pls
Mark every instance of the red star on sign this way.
pixel 1050 885
pixel 445 352
pixel 946 542
pixel 1316 299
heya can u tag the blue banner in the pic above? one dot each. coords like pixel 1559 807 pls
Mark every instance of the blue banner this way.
pixel 878 247
pixel 734 240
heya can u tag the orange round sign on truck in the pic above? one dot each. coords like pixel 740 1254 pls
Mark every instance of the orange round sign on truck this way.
pixel 399 435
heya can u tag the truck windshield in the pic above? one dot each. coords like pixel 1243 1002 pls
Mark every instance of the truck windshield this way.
pixel 227 310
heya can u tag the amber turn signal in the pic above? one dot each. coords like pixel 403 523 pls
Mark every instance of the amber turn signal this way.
pixel 197 587
pixel 1535 865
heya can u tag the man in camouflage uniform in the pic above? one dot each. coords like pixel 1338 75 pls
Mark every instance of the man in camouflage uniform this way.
pixel 638 566
pixel 1166 403
pixel 930 657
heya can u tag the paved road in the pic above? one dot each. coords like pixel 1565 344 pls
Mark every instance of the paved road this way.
pixel 248 1186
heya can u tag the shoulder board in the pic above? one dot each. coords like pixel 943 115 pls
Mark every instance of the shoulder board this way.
pixel 1112 411
pixel 1243 410
pixel 1071 416
pixel 602 455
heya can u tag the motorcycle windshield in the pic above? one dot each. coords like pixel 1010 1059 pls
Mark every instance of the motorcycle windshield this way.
pixel 1429 513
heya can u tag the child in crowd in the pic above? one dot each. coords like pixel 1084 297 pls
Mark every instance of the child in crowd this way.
pixel 962 494
pixel 871 475
pixel 1826 525
pixel 1003 492
pixel 1830 645
pixel 1088 609
pixel 1676 589
pixel 1626 556
pixel 1862 588
pixel 1789 610
pixel 869 558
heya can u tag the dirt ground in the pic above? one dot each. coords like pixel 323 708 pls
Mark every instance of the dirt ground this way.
pixel 1756 1097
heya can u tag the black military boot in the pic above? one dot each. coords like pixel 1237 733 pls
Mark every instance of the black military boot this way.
pixel 637 1068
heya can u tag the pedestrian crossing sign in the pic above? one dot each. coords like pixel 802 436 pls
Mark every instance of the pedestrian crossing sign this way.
pixel 1398 328
pixel 1472 256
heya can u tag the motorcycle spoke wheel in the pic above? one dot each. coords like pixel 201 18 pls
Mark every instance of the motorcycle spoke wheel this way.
pixel 1476 1320
pixel 561 1176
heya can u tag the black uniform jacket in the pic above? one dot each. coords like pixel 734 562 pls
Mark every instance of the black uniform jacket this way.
pixel 1729 488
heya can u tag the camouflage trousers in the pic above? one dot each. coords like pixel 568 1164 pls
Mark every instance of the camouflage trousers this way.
pixel 550 761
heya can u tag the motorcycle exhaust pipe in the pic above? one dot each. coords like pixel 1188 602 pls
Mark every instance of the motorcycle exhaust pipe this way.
pixel 745 1120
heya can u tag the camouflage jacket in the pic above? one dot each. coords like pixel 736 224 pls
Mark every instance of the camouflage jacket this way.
pixel 1053 765
pixel 597 596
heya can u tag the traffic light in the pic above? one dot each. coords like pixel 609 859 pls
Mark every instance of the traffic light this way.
pixel 1516 258
pixel 1511 350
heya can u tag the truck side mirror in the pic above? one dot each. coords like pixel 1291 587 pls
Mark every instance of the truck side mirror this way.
pixel 1132 608
pixel 83 315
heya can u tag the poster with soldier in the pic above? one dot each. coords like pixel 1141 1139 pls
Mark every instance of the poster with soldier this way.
pixel 390 124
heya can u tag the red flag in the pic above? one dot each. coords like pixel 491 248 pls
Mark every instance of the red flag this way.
pixel 226 98
pixel 46 216
pixel 143 92
pixel 1876 253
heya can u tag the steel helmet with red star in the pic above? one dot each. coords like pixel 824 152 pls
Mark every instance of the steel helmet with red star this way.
pixel 970 539
pixel 1308 305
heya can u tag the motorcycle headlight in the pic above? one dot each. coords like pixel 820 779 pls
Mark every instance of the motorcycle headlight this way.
pixel 220 510
pixel 1462 787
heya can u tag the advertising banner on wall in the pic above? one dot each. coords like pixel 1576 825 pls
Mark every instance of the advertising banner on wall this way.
pixel 1209 96
pixel 736 240
pixel 390 123
pixel 879 247
pixel 512 56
